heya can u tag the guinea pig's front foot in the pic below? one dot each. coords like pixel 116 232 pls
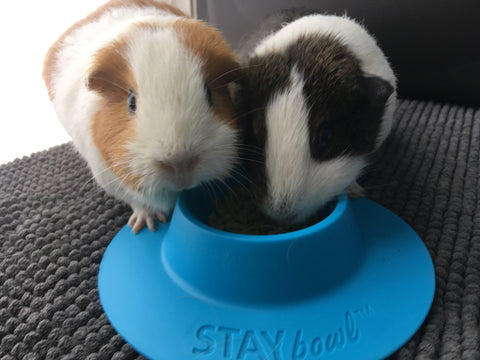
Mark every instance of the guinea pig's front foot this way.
pixel 142 217
pixel 355 191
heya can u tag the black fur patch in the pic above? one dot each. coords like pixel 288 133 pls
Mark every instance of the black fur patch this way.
pixel 269 25
pixel 345 107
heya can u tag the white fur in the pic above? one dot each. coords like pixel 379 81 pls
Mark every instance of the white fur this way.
pixel 74 104
pixel 179 122
pixel 296 184
pixel 349 33
pixel 172 112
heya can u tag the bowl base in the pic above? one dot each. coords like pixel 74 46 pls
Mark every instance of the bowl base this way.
pixel 369 315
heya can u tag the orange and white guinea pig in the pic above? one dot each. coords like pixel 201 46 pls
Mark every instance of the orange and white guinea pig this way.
pixel 143 90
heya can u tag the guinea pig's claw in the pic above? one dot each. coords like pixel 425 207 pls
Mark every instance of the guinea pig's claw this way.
pixel 139 219
pixel 150 223
pixel 161 217
pixel 136 223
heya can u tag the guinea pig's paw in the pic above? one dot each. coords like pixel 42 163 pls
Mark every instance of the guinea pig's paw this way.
pixel 355 191
pixel 142 217
pixel 161 217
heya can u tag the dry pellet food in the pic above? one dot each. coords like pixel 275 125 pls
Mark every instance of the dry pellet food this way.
pixel 237 213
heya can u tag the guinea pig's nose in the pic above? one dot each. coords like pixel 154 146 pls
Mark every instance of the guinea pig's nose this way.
pixel 279 210
pixel 179 165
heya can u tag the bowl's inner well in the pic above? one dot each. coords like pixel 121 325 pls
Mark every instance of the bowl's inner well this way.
pixel 234 210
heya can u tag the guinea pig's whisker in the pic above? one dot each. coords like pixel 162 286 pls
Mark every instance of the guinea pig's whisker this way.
pixel 240 179
pixel 121 178
pixel 234 70
pixel 249 146
pixel 250 160
pixel 115 180
pixel 242 114
pixel 231 190
pixel 92 178
pixel 252 151
pixel 251 154
pixel 239 172
pixel 251 66
pixel 216 189
pixel 112 83
pixel 147 183
pixel 151 189
pixel 89 181
pixel 208 189
pixel 229 147
pixel 225 73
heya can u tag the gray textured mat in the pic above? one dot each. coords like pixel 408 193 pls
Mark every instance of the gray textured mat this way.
pixel 55 224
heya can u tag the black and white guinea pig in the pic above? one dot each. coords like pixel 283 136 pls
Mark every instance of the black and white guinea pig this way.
pixel 318 96
pixel 143 91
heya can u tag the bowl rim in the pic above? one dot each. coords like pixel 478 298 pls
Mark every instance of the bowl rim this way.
pixel 334 216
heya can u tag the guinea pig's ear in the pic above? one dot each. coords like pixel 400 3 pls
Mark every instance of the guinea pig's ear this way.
pixel 370 107
pixel 96 80
pixel 109 72
pixel 208 44
pixel 377 90
pixel 232 72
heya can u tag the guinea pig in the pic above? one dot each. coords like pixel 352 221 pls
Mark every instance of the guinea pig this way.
pixel 318 97
pixel 143 91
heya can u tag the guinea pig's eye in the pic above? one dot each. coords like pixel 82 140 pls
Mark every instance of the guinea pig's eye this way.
pixel 324 138
pixel 132 102
pixel 208 94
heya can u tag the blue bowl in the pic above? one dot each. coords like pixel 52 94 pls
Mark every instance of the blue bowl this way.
pixel 356 285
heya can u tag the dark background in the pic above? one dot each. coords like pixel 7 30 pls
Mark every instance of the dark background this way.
pixel 433 46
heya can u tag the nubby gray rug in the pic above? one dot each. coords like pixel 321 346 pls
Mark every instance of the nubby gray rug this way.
pixel 55 224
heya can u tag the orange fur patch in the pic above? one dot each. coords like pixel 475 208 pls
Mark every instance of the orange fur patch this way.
pixel 218 60
pixel 223 106
pixel 110 76
pixel 113 126
pixel 51 56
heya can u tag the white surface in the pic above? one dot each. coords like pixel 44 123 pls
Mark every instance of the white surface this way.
pixel 27 29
